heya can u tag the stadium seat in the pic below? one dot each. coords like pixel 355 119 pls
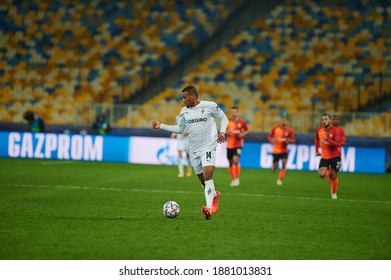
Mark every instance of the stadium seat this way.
pixel 102 49
pixel 303 56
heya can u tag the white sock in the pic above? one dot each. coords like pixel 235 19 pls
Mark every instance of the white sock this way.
pixel 180 165
pixel 209 193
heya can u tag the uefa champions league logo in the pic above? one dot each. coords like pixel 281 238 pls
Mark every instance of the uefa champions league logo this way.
pixel 167 155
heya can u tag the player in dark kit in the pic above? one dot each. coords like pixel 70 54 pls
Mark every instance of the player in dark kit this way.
pixel 101 125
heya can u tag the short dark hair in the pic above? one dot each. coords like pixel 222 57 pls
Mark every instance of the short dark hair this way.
pixel 192 90
pixel 328 115
pixel 234 108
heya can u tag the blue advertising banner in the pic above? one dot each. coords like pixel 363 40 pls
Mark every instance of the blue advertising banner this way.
pixel 303 157
pixel 153 150
pixel 63 146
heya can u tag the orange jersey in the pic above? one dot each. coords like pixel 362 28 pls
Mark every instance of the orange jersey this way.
pixel 343 135
pixel 238 126
pixel 331 144
pixel 281 137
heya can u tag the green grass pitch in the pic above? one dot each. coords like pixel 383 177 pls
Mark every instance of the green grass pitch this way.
pixel 112 211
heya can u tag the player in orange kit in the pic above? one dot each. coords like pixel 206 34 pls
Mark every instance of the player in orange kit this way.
pixel 237 129
pixel 280 136
pixel 336 122
pixel 329 139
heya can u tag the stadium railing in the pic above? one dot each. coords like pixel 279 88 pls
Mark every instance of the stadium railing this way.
pixel 368 124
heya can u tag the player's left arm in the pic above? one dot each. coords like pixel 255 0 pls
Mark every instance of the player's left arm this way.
pixel 291 137
pixel 219 114
pixel 335 140
pixel 343 137
pixel 245 130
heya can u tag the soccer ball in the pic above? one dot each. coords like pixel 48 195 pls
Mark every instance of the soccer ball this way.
pixel 171 209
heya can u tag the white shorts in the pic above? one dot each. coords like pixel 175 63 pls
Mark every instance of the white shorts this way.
pixel 201 159
pixel 183 145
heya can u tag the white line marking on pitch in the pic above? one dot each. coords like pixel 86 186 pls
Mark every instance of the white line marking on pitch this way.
pixel 57 162
pixel 189 192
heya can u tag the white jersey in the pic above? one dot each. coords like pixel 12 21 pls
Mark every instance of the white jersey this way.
pixel 180 136
pixel 182 139
pixel 199 121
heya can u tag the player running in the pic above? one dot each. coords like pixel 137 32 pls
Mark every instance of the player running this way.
pixel 329 139
pixel 198 117
pixel 336 122
pixel 237 129
pixel 280 136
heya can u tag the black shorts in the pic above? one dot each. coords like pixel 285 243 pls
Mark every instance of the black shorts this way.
pixel 277 157
pixel 333 163
pixel 234 152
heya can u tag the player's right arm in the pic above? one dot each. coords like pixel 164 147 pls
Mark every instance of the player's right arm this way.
pixel 177 129
pixel 174 135
pixel 155 124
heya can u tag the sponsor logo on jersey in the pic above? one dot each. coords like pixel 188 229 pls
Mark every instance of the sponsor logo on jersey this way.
pixel 196 120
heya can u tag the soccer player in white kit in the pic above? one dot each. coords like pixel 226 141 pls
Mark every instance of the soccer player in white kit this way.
pixel 198 118
pixel 182 146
